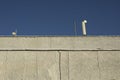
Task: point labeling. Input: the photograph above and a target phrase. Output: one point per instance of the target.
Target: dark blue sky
(55, 17)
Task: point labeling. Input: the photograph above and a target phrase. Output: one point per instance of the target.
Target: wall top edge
(60, 36)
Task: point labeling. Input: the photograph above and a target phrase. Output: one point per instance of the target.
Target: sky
(56, 17)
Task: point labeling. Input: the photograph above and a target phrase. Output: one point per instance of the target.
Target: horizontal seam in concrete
(51, 50)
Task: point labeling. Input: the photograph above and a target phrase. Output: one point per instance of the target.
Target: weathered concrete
(60, 58)
(83, 65)
(28, 65)
(60, 43)
(109, 65)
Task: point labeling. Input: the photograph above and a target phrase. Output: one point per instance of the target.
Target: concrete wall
(60, 58)
(63, 43)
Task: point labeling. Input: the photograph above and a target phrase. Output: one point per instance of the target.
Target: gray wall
(60, 58)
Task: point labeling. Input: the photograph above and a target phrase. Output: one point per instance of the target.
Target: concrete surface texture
(60, 58)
